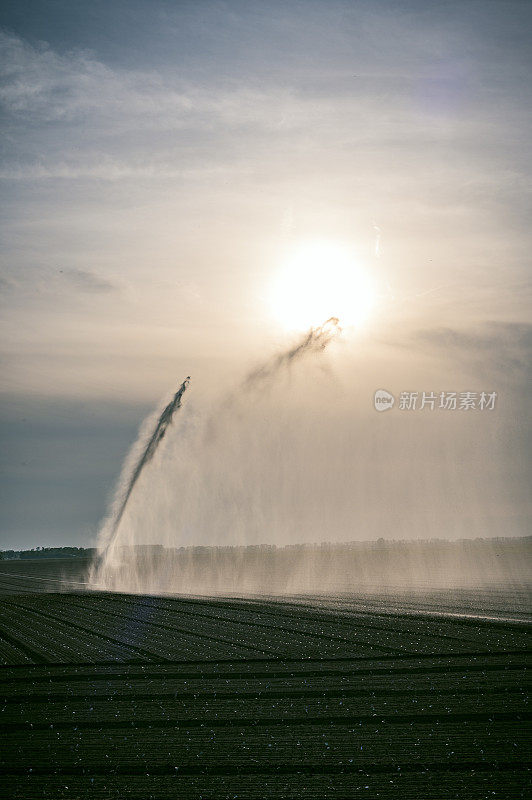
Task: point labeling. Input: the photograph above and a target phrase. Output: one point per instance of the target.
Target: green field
(399, 695)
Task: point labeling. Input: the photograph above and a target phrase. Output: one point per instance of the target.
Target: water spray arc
(153, 443)
(270, 487)
(314, 341)
(211, 484)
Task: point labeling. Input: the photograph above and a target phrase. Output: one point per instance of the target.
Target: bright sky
(163, 161)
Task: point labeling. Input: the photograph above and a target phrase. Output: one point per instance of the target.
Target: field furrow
(378, 696)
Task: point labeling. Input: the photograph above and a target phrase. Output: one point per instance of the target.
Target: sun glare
(320, 280)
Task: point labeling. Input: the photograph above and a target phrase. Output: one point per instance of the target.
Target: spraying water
(153, 443)
(110, 555)
(287, 484)
(141, 453)
(315, 340)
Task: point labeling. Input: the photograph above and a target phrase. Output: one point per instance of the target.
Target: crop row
(53, 640)
(375, 634)
(388, 631)
(147, 629)
(405, 781)
(454, 680)
(11, 654)
(259, 699)
(417, 628)
(234, 706)
(285, 632)
(144, 638)
(503, 600)
(360, 743)
(490, 670)
(163, 634)
(273, 639)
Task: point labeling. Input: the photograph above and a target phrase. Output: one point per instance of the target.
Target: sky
(161, 159)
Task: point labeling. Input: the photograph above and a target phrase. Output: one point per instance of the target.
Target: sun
(319, 280)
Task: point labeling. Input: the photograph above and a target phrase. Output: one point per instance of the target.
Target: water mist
(287, 484)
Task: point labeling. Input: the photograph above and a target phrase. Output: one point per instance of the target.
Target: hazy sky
(160, 158)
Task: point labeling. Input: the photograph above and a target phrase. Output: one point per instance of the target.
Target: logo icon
(383, 400)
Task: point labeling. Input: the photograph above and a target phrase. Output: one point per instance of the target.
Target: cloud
(85, 281)
(72, 116)
(502, 346)
(40, 82)
(47, 86)
(34, 286)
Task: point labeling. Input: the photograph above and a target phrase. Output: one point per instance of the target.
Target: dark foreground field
(414, 696)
